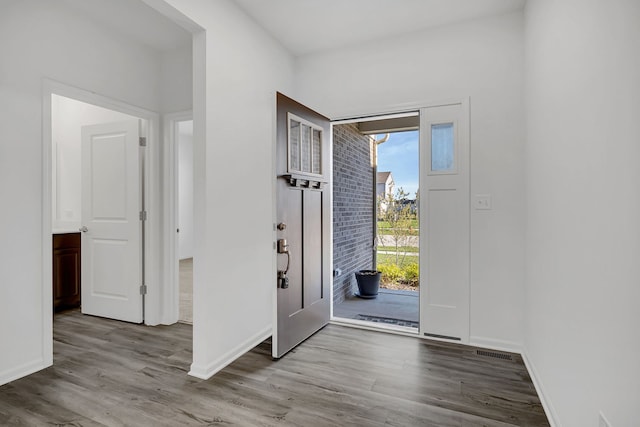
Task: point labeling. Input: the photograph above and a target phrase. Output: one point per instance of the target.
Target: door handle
(83, 229)
(283, 248)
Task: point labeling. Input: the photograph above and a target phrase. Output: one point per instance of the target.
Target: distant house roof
(383, 177)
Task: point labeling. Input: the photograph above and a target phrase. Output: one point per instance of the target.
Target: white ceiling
(136, 20)
(306, 26)
(301, 26)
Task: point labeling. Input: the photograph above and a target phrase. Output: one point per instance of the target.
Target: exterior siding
(354, 187)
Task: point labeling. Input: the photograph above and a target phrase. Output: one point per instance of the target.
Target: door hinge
(143, 215)
(143, 289)
(143, 141)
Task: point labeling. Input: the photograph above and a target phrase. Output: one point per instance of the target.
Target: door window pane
(306, 148)
(294, 145)
(442, 147)
(315, 167)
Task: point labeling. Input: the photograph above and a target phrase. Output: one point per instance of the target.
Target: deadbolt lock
(282, 246)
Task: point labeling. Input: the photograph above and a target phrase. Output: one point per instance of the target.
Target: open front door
(111, 221)
(303, 211)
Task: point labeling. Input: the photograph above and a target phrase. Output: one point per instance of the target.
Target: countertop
(63, 231)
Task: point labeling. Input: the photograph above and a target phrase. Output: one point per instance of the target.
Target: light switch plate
(482, 202)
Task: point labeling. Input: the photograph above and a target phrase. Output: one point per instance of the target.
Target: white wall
(583, 207)
(67, 118)
(176, 79)
(234, 197)
(481, 59)
(45, 39)
(185, 190)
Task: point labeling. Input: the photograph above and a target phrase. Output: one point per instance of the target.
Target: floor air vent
(495, 355)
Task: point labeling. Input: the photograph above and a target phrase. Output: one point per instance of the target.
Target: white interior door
(444, 222)
(111, 221)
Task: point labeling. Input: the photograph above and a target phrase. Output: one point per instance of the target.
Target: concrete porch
(392, 307)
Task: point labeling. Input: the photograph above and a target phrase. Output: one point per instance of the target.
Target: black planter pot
(368, 283)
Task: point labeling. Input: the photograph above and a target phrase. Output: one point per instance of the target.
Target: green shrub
(391, 273)
(412, 273)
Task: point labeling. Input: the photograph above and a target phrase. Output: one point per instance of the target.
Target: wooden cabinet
(66, 271)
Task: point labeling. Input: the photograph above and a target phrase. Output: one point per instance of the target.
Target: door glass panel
(306, 148)
(442, 147)
(315, 167)
(294, 145)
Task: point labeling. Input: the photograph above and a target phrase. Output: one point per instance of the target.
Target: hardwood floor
(186, 291)
(109, 373)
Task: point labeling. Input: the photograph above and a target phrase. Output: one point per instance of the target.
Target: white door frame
(151, 196)
(171, 302)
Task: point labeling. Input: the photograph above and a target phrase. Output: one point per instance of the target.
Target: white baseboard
(494, 344)
(205, 372)
(23, 370)
(537, 383)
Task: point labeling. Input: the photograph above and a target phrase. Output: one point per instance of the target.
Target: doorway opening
(376, 222)
(97, 203)
(185, 229)
(442, 217)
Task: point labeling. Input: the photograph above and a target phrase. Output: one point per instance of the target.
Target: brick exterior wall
(353, 214)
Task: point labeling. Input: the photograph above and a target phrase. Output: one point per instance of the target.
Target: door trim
(152, 201)
(397, 110)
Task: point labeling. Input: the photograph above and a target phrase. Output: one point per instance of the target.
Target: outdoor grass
(391, 259)
(412, 249)
(385, 224)
(389, 232)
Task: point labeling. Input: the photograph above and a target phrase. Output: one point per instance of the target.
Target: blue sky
(400, 156)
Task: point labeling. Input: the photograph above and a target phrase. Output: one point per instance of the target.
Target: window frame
(292, 117)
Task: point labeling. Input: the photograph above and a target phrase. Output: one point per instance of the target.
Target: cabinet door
(66, 271)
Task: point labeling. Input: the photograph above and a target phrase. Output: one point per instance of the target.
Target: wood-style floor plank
(110, 373)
